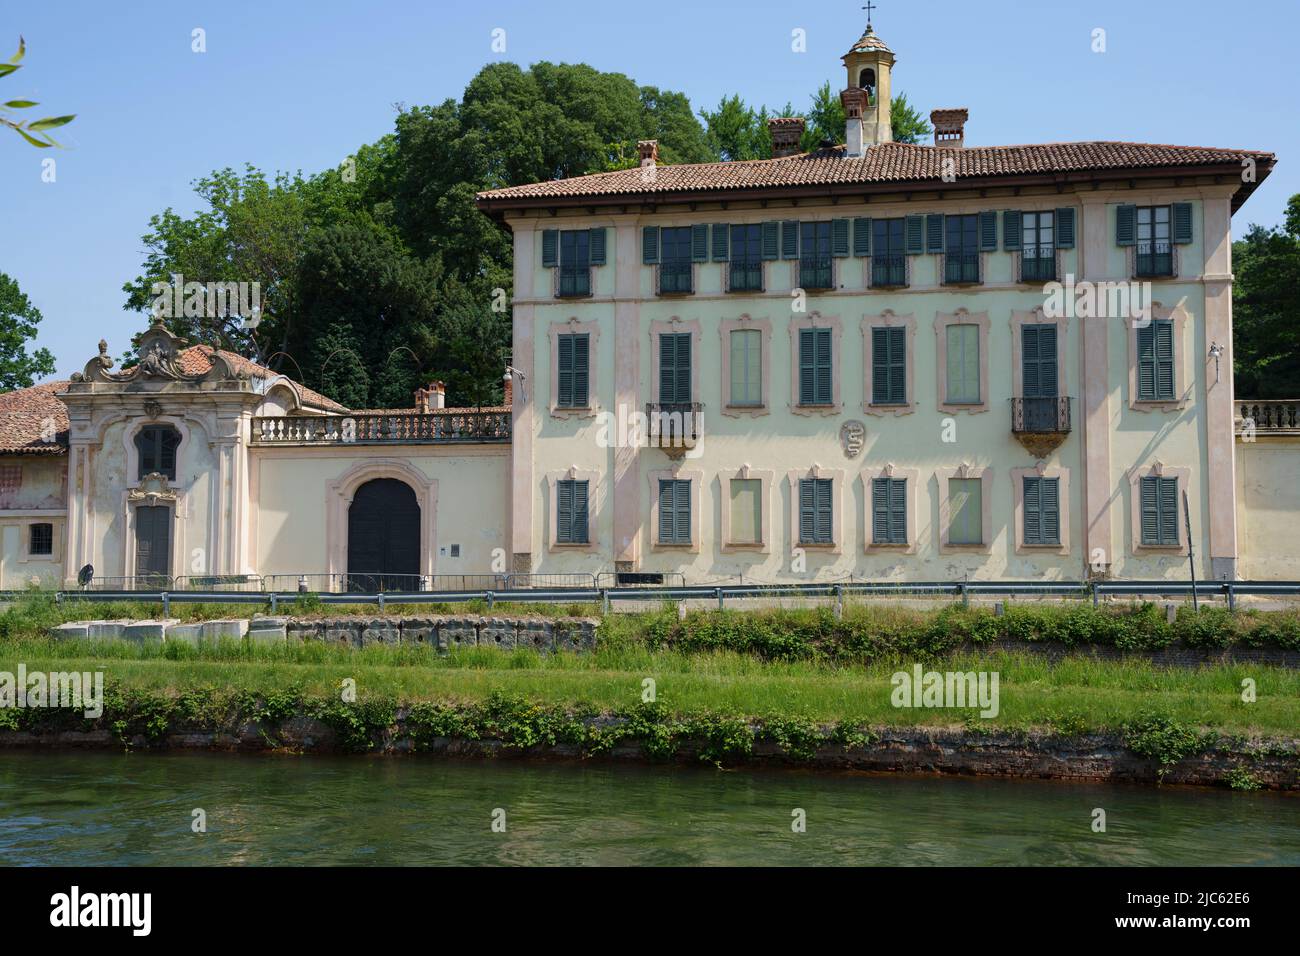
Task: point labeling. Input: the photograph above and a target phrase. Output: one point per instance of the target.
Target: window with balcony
(816, 270)
(676, 271)
(1154, 252)
(575, 263)
(888, 254)
(961, 261)
(1038, 247)
(745, 270)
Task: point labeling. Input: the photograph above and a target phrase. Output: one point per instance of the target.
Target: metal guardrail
(963, 590)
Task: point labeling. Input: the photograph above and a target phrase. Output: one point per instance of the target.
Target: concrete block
(497, 633)
(73, 630)
(380, 631)
(232, 628)
(261, 622)
(191, 634)
(536, 635)
(457, 633)
(147, 632)
(106, 630)
(419, 631)
(268, 635)
(304, 630)
(343, 631)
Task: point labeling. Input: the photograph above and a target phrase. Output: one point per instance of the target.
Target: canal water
(139, 809)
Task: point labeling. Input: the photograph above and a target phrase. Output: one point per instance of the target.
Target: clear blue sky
(299, 85)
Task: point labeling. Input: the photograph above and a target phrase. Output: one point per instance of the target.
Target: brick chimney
(507, 390)
(949, 127)
(648, 150)
(430, 399)
(786, 132)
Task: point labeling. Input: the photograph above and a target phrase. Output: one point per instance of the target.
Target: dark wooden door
(384, 537)
(153, 540)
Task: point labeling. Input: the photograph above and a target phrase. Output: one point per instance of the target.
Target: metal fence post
(718, 591)
(275, 602)
(491, 600)
(166, 604)
(1232, 602)
(381, 602)
(1094, 593)
(604, 600)
(839, 601)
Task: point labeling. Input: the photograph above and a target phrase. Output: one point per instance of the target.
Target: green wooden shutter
(807, 512)
(1011, 229)
(1182, 227)
(597, 247)
(771, 240)
(564, 512)
(897, 366)
(700, 242)
(898, 511)
(581, 491)
(807, 349)
(934, 232)
(674, 368)
(1051, 510)
(550, 248)
(1038, 361)
(564, 366)
(915, 229)
(1065, 228)
(824, 513)
(581, 369)
(721, 234)
(988, 231)
(839, 238)
(823, 360)
(880, 511)
(1126, 225)
(682, 511)
(888, 366)
(1168, 497)
(666, 523)
(1033, 511)
(650, 245)
(790, 239)
(1146, 362)
(1164, 359)
(879, 366)
(1150, 506)
(861, 236)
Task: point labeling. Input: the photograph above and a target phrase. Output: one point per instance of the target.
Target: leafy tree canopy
(18, 322)
(1266, 309)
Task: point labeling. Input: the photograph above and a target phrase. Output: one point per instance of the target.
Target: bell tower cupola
(867, 94)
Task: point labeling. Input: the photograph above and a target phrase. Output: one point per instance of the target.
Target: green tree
(36, 132)
(1266, 306)
(735, 131)
(826, 120)
(18, 322)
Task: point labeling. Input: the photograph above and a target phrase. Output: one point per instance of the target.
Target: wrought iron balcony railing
(889, 271)
(676, 278)
(1040, 416)
(572, 282)
(961, 268)
(1038, 264)
(816, 272)
(399, 428)
(745, 275)
(674, 426)
(1153, 260)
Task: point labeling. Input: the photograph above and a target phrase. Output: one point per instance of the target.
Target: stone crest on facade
(853, 435)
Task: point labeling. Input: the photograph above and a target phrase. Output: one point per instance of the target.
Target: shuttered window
(1159, 510)
(889, 511)
(815, 367)
(962, 364)
(815, 511)
(746, 511)
(574, 370)
(575, 262)
(675, 368)
(965, 511)
(674, 511)
(889, 366)
(746, 367)
(1155, 361)
(571, 512)
(1042, 508)
(1038, 361)
(676, 255)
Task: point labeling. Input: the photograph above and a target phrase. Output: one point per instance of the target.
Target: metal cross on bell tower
(869, 7)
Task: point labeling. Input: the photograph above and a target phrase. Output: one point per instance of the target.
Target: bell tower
(866, 96)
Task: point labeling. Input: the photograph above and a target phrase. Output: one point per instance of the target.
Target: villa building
(877, 359)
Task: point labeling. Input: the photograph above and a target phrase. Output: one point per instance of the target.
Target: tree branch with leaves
(35, 132)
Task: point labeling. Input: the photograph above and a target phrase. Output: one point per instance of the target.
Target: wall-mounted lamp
(511, 374)
(1216, 351)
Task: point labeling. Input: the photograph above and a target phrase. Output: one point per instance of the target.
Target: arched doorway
(384, 537)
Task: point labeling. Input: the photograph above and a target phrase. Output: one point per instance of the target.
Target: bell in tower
(866, 97)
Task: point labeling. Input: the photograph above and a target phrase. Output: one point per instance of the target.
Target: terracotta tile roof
(196, 360)
(887, 163)
(869, 41)
(23, 417)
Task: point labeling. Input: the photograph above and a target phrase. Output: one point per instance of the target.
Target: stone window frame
(764, 478)
(745, 322)
(25, 553)
(1182, 391)
(1041, 470)
(696, 478)
(675, 325)
(573, 473)
(984, 474)
(942, 320)
(836, 475)
(912, 477)
(573, 326)
(1037, 316)
(892, 320)
(815, 320)
(1156, 469)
